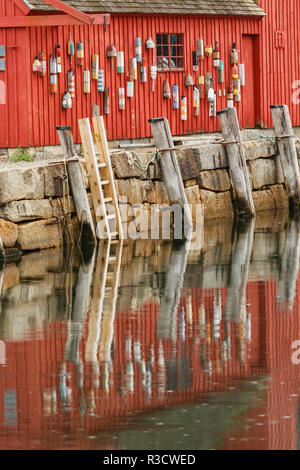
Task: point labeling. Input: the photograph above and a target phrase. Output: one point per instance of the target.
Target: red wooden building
(266, 33)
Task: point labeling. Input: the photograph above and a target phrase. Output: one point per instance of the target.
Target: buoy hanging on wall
(120, 62)
(43, 64)
(53, 83)
(106, 100)
(200, 85)
(58, 58)
(70, 48)
(208, 50)
(36, 66)
(121, 94)
(213, 106)
(195, 61)
(183, 108)
(166, 90)
(235, 72)
(221, 78)
(111, 53)
(138, 49)
(133, 68)
(143, 71)
(52, 64)
(153, 75)
(188, 80)
(234, 55)
(242, 74)
(100, 82)
(200, 49)
(130, 89)
(216, 55)
(66, 102)
(86, 81)
(71, 82)
(208, 78)
(175, 96)
(150, 44)
(95, 66)
(237, 89)
(80, 53)
(211, 93)
(196, 100)
(229, 97)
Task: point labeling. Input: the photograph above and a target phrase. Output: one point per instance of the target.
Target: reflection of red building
(45, 397)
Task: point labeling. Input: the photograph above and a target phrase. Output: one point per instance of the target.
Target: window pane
(158, 39)
(174, 63)
(179, 38)
(179, 51)
(165, 38)
(159, 62)
(159, 50)
(172, 38)
(165, 51)
(180, 63)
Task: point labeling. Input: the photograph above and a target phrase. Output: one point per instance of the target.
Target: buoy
(183, 108)
(242, 74)
(216, 55)
(175, 96)
(106, 100)
(121, 93)
(195, 61)
(71, 82)
(138, 49)
(52, 64)
(166, 90)
(133, 68)
(95, 66)
(100, 82)
(196, 100)
(237, 89)
(213, 106)
(80, 53)
(200, 85)
(221, 78)
(111, 53)
(200, 49)
(143, 71)
(153, 75)
(43, 64)
(229, 97)
(86, 81)
(53, 83)
(58, 58)
(70, 48)
(66, 101)
(235, 72)
(36, 66)
(120, 62)
(234, 55)
(150, 44)
(188, 80)
(208, 50)
(211, 95)
(130, 89)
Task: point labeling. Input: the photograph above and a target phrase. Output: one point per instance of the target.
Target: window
(169, 49)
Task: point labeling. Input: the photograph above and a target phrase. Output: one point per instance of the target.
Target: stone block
(263, 200)
(216, 205)
(39, 235)
(265, 172)
(280, 196)
(21, 183)
(27, 209)
(9, 233)
(217, 180)
(55, 180)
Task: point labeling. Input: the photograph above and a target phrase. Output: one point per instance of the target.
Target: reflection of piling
(240, 260)
(167, 317)
(288, 273)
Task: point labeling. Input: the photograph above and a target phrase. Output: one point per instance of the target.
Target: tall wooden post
(237, 161)
(287, 151)
(169, 166)
(79, 194)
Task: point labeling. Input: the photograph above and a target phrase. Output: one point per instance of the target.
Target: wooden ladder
(103, 304)
(102, 181)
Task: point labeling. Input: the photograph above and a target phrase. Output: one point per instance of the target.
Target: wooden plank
(80, 198)
(95, 180)
(107, 171)
(47, 20)
(237, 161)
(169, 166)
(74, 12)
(287, 152)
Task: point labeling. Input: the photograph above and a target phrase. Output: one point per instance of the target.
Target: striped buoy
(138, 49)
(153, 75)
(52, 64)
(121, 93)
(58, 58)
(229, 97)
(183, 108)
(175, 96)
(53, 83)
(143, 71)
(120, 62)
(43, 64)
(195, 61)
(200, 49)
(221, 78)
(216, 55)
(100, 82)
(86, 81)
(71, 82)
(70, 48)
(80, 53)
(95, 66)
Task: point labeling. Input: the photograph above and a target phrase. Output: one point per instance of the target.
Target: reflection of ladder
(101, 177)
(104, 300)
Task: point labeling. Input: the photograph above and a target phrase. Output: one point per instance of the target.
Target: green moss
(21, 154)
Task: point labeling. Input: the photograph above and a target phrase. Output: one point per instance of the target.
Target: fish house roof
(184, 7)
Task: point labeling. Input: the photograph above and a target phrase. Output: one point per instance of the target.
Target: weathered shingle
(185, 7)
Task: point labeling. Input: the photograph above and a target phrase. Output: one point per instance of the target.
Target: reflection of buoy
(183, 108)
(175, 96)
(166, 90)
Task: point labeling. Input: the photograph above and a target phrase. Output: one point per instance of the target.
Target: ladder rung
(108, 199)
(111, 216)
(113, 234)
(104, 182)
(101, 165)
(112, 259)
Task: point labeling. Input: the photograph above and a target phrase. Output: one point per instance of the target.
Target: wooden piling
(287, 152)
(237, 161)
(169, 166)
(75, 176)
